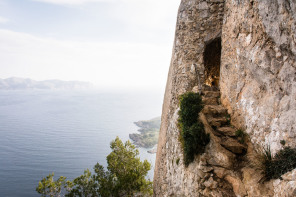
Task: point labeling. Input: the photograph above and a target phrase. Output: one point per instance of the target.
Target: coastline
(148, 134)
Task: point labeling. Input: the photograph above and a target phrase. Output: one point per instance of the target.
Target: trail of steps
(219, 120)
(226, 154)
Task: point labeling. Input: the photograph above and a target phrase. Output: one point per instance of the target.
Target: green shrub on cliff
(190, 106)
(273, 167)
(283, 162)
(192, 134)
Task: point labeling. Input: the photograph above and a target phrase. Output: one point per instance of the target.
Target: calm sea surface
(65, 132)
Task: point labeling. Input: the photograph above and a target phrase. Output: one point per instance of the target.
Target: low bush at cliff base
(273, 167)
(192, 134)
(283, 162)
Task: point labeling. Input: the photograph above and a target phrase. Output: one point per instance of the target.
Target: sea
(65, 132)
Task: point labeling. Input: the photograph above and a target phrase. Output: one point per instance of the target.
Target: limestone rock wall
(258, 71)
(258, 88)
(198, 22)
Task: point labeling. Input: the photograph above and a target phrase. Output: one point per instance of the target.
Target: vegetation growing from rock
(283, 162)
(241, 135)
(192, 134)
(149, 131)
(125, 176)
(273, 167)
(283, 142)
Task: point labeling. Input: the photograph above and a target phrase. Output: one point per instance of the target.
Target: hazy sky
(119, 43)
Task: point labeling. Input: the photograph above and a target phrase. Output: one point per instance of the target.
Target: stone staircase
(226, 152)
(219, 120)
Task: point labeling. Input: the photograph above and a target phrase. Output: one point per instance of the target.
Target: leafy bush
(125, 176)
(283, 162)
(84, 185)
(49, 187)
(192, 134)
(190, 106)
(273, 167)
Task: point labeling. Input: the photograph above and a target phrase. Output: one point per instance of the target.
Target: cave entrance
(212, 61)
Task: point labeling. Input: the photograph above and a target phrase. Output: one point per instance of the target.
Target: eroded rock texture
(257, 80)
(258, 72)
(199, 22)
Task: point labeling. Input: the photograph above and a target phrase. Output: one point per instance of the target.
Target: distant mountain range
(15, 83)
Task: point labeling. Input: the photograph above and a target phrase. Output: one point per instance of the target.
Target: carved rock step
(209, 100)
(214, 110)
(213, 94)
(208, 88)
(228, 131)
(217, 122)
(233, 145)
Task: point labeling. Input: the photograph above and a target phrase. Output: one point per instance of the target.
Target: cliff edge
(247, 50)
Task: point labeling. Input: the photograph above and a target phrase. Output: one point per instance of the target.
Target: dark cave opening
(212, 61)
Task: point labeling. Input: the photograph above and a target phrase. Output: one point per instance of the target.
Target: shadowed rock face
(258, 88)
(212, 62)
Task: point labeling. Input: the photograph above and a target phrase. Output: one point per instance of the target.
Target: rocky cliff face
(249, 49)
(258, 71)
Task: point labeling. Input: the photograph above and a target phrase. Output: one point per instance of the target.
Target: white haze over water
(104, 64)
(111, 43)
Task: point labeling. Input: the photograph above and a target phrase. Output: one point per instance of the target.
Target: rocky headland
(148, 133)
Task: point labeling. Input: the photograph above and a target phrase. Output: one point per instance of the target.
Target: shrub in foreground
(125, 176)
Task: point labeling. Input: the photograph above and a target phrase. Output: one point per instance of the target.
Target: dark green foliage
(126, 172)
(195, 140)
(266, 158)
(49, 187)
(283, 142)
(283, 162)
(84, 185)
(125, 176)
(190, 106)
(228, 118)
(192, 134)
(241, 135)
